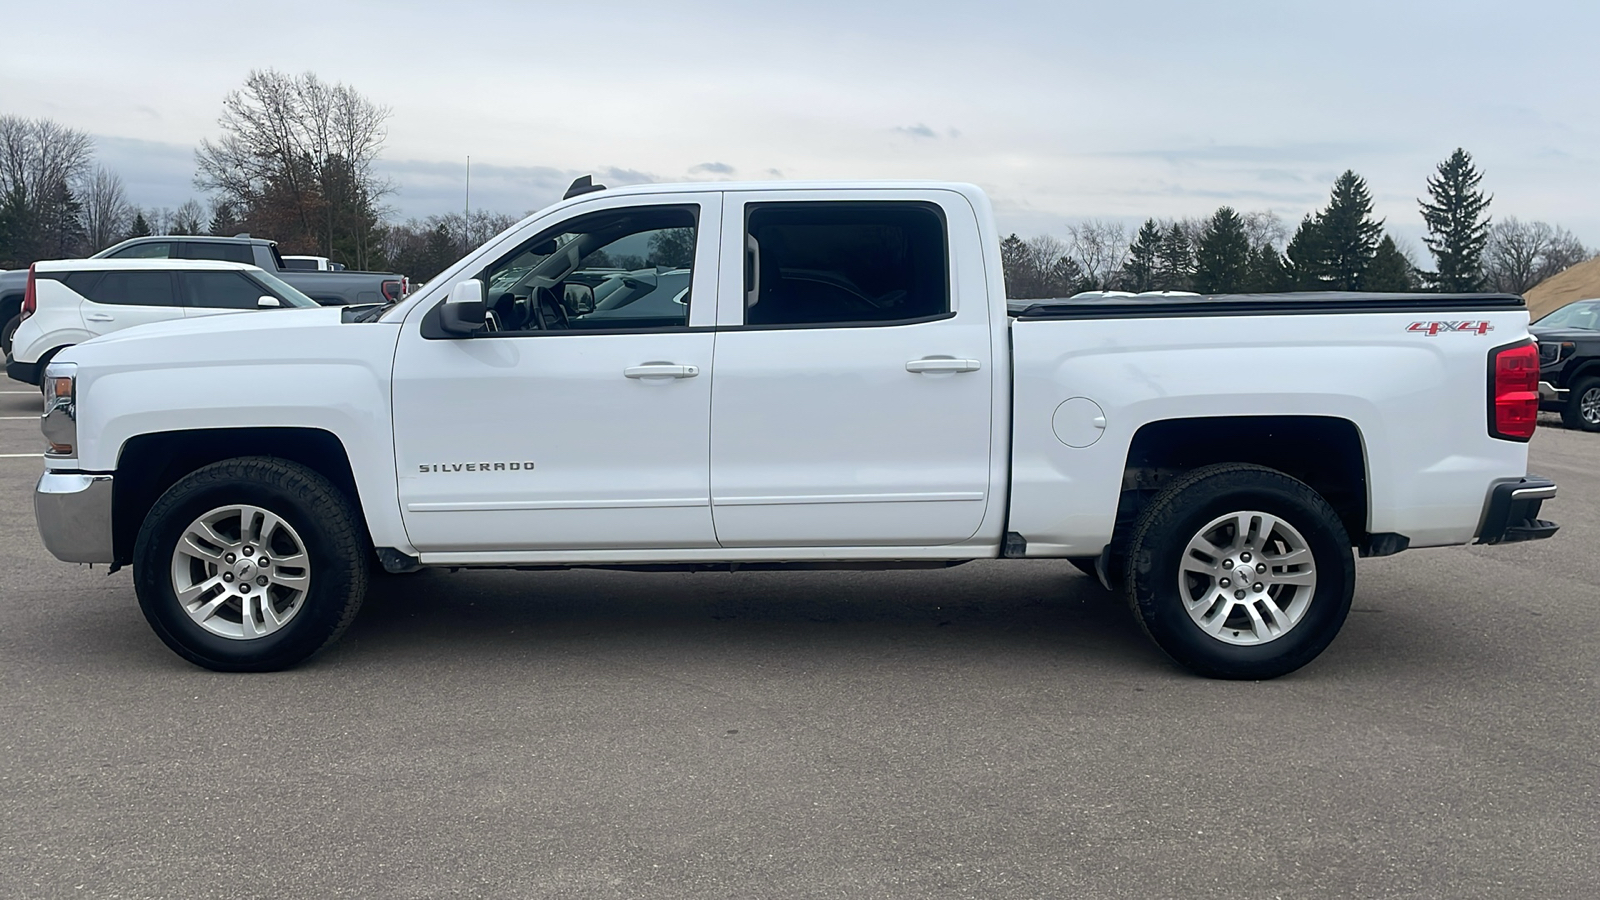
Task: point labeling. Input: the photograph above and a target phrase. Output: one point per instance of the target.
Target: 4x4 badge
(1432, 328)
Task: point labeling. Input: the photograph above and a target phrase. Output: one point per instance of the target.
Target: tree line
(1339, 247)
(295, 162)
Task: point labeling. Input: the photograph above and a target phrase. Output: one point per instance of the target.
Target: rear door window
(845, 263)
(239, 253)
(134, 289)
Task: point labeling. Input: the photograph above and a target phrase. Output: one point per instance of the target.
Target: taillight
(393, 290)
(30, 295)
(1514, 391)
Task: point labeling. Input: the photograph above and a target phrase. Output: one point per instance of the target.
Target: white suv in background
(71, 301)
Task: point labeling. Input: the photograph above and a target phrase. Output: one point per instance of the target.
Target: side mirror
(579, 298)
(266, 302)
(465, 311)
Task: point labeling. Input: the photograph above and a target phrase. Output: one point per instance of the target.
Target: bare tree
(106, 211)
(38, 156)
(296, 159)
(190, 218)
(1264, 228)
(40, 163)
(1522, 254)
(1099, 248)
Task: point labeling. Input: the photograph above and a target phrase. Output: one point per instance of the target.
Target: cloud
(714, 168)
(918, 130)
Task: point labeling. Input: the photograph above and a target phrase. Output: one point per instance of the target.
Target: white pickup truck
(788, 375)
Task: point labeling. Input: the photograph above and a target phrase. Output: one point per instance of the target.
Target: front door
(581, 421)
(851, 405)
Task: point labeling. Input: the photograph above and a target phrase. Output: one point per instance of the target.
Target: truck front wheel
(1583, 405)
(1239, 571)
(250, 565)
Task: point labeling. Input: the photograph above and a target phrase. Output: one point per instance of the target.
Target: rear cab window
(239, 253)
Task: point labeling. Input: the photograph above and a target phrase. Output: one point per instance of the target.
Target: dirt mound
(1580, 282)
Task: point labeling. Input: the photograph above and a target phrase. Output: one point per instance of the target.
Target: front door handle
(661, 370)
(98, 317)
(942, 364)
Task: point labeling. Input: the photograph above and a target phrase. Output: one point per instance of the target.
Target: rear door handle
(942, 364)
(99, 317)
(661, 370)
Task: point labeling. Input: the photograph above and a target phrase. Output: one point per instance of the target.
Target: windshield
(283, 289)
(1584, 314)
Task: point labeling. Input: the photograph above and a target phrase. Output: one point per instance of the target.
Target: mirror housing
(266, 302)
(464, 311)
(578, 297)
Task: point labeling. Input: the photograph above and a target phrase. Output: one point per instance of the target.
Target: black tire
(1573, 415)
(44, 363)
(322, 517)
(8, 332)
(1162, 536)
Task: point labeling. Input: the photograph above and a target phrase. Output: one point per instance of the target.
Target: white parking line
(19, 392)
(20, 455)
(19, 417)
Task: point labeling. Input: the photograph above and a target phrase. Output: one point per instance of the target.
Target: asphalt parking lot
(994, 730)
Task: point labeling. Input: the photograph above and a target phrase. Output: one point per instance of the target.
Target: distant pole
(466, 218)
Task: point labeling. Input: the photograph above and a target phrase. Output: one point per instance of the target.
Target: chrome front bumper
(74, 515)
(1548, 391)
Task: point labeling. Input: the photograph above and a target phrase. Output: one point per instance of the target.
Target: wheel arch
(149, 464)
(1327, 453)
(1585, 369)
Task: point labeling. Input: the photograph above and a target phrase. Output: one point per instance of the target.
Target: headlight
(60, 422)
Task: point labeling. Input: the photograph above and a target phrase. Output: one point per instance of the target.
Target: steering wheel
(543, 299)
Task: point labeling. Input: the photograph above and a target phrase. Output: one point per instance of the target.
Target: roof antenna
(580, 186)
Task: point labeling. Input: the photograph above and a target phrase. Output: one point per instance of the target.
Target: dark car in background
(1569, 363)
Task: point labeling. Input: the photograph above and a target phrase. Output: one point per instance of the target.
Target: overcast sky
(1061, 110)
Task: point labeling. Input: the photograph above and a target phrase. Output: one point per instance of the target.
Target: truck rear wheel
(250, 565)
(1239, 571)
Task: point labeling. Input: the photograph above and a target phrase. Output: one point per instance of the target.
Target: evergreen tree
(1458, 230)
(1304, 266)
(141, 227)
(1390, 270)
(1174, 263)
(1014, 263)
(1139, 273)
(1222, 255)
(1266, 273)
(1349, 234)
(16, 230)
(224, 219)
(60, 225)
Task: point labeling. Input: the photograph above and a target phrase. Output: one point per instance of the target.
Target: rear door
(851, 403)
(123, 299)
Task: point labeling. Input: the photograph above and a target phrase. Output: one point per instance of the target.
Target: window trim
(753, 206)
(432, 331)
